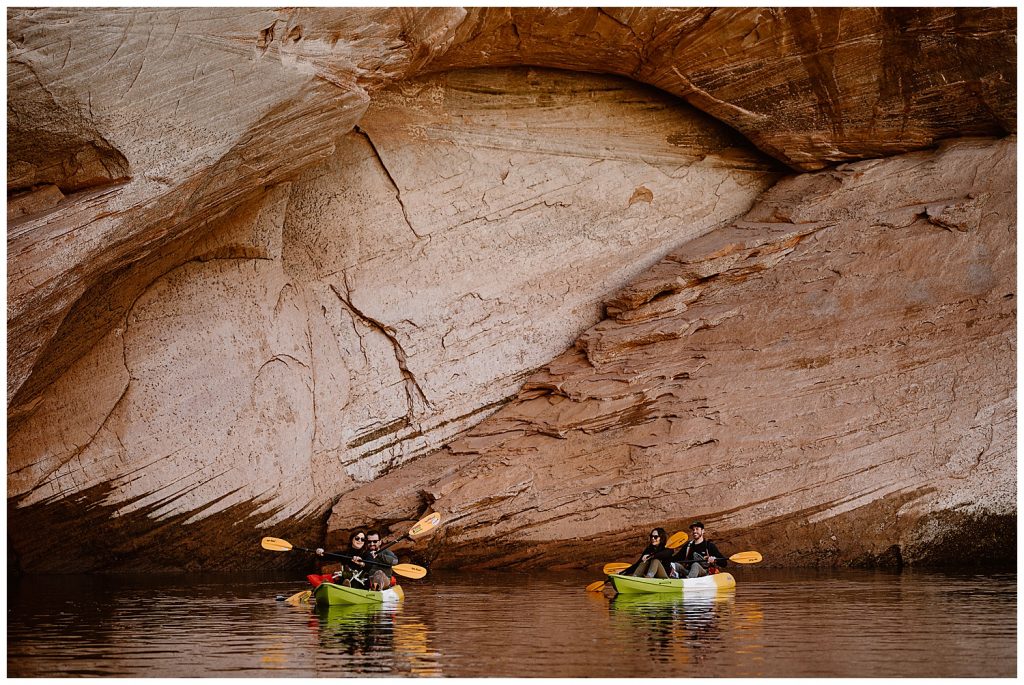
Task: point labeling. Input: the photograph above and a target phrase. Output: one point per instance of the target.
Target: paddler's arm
(664, 555)
(348, 560)
(717, 557)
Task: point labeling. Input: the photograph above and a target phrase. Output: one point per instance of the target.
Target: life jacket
(315, 579)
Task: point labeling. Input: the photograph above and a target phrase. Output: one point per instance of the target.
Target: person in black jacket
(354, 571)
(654, 559)
(693, 559)
(380, 576)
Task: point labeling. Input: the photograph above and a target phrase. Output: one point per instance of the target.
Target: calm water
(806, 623)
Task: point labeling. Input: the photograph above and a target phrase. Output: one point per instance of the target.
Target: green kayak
(329, 594)
(677, 586)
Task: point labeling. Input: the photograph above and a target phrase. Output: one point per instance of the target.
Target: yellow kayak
(631, 585)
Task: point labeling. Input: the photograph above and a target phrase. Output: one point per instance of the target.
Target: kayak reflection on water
(676, 629)
(355, 629)
(377, 638)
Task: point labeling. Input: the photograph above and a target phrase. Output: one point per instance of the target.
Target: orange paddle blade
(424, 525)
(677, 540)
(614, 567)
(746, 557)
(276, 544)
(596, 586)
(409, 570)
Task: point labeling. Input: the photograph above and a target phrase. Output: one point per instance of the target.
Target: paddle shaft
(422, 527)
(738, 558)
(343, 556)
(395, 542)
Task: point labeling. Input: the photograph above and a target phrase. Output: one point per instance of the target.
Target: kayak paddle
(407, 570)
(739, 558)
(677, 540)
(419, 529)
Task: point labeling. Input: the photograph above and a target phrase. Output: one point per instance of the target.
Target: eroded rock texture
(259, 257)
(375, 307)
(827, 378)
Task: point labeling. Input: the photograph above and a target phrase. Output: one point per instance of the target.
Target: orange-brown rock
(829, 379)
(227, 305)
(342, 324)
(180, 114)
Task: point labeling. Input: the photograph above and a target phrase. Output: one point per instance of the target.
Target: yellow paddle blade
(613, 568)
(677, 540)
(409, 570)
(746, 557)
(424, 525)
(298, 597)
(596, 586)
(276, 544)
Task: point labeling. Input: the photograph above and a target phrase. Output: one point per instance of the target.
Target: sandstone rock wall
(255, 258)
(166, 118)
(829, 380)
(372, 309)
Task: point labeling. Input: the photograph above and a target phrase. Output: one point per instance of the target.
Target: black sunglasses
(358, 538)
(655, 537)
(374, 542)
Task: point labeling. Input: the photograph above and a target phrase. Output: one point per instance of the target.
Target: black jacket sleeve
(664, 555)
(720, 559)
(386, 556)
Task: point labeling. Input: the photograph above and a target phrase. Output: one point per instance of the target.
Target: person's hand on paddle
(319, 551)
(357, 561)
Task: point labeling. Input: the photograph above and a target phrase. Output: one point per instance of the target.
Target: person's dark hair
(374, 532)
(354, 535)
(662, 537)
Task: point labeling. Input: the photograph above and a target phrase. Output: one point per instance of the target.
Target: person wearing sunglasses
(381, 577)
(353, 571)
(653, 559)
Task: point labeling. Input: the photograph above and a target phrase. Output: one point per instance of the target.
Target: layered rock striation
(258, 258)
(829, 379)
(341, 324)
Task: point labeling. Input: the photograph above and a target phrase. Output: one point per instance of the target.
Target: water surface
(776, 623)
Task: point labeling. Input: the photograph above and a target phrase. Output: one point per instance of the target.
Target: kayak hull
(329, 594)
(633, 585)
